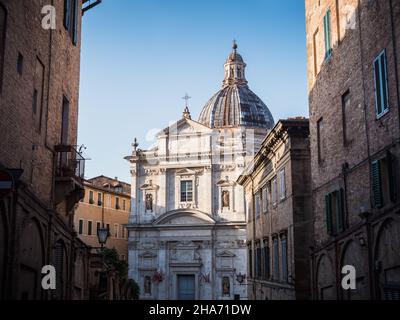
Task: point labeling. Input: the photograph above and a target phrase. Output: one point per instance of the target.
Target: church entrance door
(186, 287)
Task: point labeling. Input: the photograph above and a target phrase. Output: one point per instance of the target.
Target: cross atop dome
(186, 111)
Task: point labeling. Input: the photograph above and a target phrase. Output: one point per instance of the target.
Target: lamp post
(102, 236)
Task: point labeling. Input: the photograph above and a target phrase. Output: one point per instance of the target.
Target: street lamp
(102, 236)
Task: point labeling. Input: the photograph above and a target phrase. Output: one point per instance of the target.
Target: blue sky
(140, 57)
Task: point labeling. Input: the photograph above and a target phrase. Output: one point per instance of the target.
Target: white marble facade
(187, 228)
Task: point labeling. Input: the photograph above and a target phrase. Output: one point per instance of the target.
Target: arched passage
(387, 260)
(325, 279)
(354, 255)
(3, 247)
(31, 261)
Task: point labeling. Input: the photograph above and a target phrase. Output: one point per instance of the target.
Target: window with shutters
(80, 226)
(274, 191)
(265, 201)
(328, 35)
(284, 259)
(38, 94)
(90, 228)
(250, 260)
(384, 184)
(99, 199)
(257, 199)
(282, 184)
(91, 197)
(3, 24)
(335, 212)
(276, 259)
(320, 140)
(346, 116)
(266, 264)
(381, 84)
(258, 260)
(71, 18)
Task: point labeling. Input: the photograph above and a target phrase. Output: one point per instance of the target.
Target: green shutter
(392, 176)
(328, 212)
(67, 13)
(341, 210)
(377, 184)
(327, 31)
(76, 20)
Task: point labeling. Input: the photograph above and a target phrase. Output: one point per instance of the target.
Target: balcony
(69, 175)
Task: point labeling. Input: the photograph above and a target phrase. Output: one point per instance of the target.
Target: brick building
(353, 79)
(39, 86)
(106, 204)
(279, 217)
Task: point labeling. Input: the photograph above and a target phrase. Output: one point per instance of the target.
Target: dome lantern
(235, 105)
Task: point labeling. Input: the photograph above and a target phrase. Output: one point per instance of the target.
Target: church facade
(187, 227)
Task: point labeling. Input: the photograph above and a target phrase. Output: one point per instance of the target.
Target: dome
(235, 105)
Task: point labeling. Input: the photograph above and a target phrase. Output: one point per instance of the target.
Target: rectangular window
(80, 227)
(250, 259)
(320, 145)
(99, 199)
(108, 228)
(109, 201)
(257, 204)
(274, 191)
(122, 232)
(89, 228)
(315, 45)
(3, 23)
(20, 64)
(65, 121)
(328, 35)
(259, 261)
(91, 198)
(38, 94)
(116, 230)
(381, 84)
(282, 184)
(284, 260)
(266, 261)
(276, 259)
(186, 191)
(265, 199)
(117, 203)
(124, 204)
(335, 212)
(71, 18)
(98, 226)
(345, 118)
(384, 185)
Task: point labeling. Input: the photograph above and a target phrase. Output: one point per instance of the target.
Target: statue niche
(149, 202)
(225, 199)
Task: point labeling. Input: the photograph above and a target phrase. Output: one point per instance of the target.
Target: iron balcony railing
(70, 162)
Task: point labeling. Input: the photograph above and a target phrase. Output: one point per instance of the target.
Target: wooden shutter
(392, 176)
(377, 184)
(76, 20)
(328, 213)
(341, 210)
(67, 13)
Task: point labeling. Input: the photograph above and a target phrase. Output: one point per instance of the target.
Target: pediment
(226, 254)
(185, 217)
(187, 172)
(226, 183)
(185, 126)
(147, 254)
(149, 186)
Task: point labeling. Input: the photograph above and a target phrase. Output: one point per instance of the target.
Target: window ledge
(381, 115)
